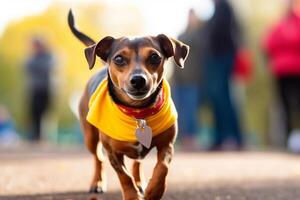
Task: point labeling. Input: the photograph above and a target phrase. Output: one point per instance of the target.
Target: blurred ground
(50, 174)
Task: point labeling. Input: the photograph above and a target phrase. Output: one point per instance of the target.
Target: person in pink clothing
(282, 46)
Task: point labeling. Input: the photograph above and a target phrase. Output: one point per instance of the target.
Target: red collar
(143, 113)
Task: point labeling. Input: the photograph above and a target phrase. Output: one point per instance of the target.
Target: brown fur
(137, 53)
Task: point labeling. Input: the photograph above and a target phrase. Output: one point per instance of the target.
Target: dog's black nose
(138, 82)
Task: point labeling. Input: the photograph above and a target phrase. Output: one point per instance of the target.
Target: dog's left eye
(154, 59)
(119, 60)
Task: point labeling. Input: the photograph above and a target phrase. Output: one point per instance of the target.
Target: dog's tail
(81, 36)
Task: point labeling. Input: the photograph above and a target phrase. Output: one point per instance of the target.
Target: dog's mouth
(137, 94)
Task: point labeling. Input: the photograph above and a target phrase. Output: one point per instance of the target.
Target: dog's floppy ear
(100, 49)
(175, 48)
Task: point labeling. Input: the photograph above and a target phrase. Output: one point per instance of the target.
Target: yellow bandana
(105, 115)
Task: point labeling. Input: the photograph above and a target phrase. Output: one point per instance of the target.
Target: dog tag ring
(143, 133)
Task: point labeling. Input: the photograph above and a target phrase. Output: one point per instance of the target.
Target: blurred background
(236, 103)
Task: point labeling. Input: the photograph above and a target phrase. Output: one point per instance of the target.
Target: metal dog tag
(143, 133)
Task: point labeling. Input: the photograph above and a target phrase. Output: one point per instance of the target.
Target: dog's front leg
(129, 189)
(157, 184)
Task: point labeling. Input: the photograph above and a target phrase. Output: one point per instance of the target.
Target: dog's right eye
(119, 60)
(154, 59)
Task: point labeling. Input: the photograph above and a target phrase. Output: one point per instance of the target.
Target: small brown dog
(127, 108)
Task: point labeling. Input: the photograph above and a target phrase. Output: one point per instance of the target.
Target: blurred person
(38, 69)
(186, 85)
(222, 41)
(282, 48)
(8, 134)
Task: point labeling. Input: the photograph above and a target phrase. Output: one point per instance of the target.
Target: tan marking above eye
(126, 52)
(145, 52)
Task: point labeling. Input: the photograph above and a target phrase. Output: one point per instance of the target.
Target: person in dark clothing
(221, 44)
(38, 69)
(186, 92)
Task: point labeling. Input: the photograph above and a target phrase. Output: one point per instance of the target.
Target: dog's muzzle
(138, 89)
(138, 82)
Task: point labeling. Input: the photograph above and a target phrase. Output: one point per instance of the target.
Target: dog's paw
(96, 189)
(135, 198)
(141, 190)
(140, 187)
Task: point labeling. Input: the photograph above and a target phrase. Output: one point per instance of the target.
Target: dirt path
(51, 175)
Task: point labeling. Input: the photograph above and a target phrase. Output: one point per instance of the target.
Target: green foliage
(71, 70)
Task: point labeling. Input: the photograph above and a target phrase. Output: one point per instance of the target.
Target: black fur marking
(81, 36)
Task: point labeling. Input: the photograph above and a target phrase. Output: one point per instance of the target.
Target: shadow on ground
(265, 190)
(66, 196)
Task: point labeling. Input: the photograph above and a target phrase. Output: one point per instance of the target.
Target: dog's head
(135, 65)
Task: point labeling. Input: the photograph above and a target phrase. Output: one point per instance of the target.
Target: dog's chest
(135, 150)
